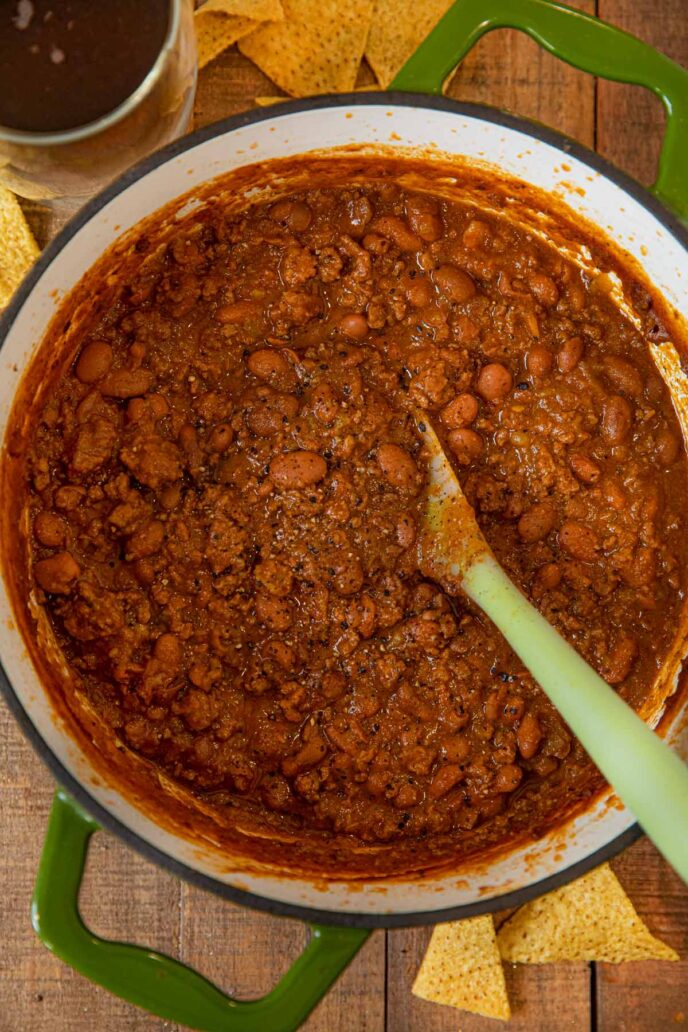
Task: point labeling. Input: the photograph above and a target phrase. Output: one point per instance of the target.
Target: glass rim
(83, 132)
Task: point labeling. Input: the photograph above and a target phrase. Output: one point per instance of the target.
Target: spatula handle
(645, 773)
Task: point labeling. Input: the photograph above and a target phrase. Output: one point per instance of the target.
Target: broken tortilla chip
(397, 29)
(462, 968)
(590, 919)
(316, 49)
(18, 249)
(220, 23)
(258, 10)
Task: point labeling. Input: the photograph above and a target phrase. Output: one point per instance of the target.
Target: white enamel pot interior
(624, 211)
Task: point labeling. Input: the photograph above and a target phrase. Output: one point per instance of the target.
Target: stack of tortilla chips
(591, 919)
(317, 46)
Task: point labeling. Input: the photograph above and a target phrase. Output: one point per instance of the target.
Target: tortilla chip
(397, 29)
(461, 968)
(220, 23)
(18, 249)
(316, 49)
(216, 32)
(590, 919)
(257, 10)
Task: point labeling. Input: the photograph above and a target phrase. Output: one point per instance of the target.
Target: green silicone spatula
(646, 775)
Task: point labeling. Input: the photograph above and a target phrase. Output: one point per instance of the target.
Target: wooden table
(128, 898)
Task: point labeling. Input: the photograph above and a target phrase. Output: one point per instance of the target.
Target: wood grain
(630, 120)
(535, 994)
(126, 897)
(508, 70)
(648, 995)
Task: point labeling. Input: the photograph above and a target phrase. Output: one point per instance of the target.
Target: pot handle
(582, 41)
(160, 984)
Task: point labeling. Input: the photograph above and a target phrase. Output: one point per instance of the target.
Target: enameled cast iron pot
(647, 224)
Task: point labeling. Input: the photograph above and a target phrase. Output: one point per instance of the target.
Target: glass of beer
(87, 88)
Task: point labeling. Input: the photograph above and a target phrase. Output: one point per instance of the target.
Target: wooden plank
(246, 953)
(630, 120)
(508, 70)
(642, 996)
(648, 995)
(123, 897)
(535, 994)
(228, 85)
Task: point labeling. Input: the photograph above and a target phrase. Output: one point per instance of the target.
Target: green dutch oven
(646, 223)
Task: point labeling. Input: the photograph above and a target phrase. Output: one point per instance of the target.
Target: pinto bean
(494, 381)
(348, 575)
(617, 419)
(267, 410)
(546, 578)
(454, 283)
(127, 383)
(444, 780)
(168, 651)
(158, 405)
(460, 411)
(354, 325)
(419, 292)
(585, 468)
(310, 754)
(537, 522)
(476, 234)
(623, 376)
(621, 658)
(466, 445)
(324, 403)
(57, 574)
(153, 406)
(188, 438)
(50, 529)
(667, 447)
(529, 736)
(269, 365)
(237, 312)
(508, 778)
(295, 215)
(579, 540)
(146, 541)
(539, 360)
(94, 362)
(543, 288)
(398, 468)
(220, 438)
(570, 354)
(275, 612)
(396, 230)
(297, 469)
(406, 531)
(423, 215)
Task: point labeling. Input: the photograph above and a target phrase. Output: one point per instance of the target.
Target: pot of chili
(213, 628)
